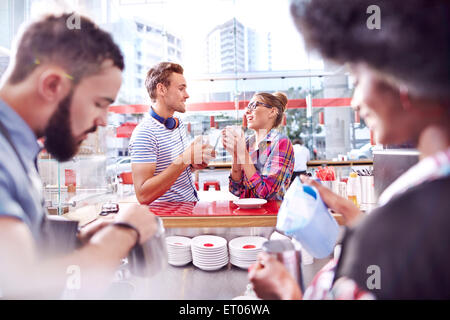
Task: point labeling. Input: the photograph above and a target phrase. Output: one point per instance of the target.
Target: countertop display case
(77, 182)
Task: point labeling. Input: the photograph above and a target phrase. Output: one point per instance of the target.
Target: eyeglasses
(255, 104)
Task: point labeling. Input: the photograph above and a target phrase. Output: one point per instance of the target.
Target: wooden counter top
(312, 163)
(220, 222)
(217, 214)
(318, 163)
(213, 214)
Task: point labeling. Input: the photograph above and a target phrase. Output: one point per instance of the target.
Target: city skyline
(129, 25)
(193, 20)
(233, 47)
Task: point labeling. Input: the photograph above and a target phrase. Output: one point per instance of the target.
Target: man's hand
(90, 229)
(199, 166)
(234, 142)
(272, 281)
(140, 217)
(347, 208)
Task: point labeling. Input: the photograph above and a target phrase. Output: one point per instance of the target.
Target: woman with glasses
(263, 164)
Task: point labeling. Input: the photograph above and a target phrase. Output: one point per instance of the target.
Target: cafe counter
(216, 215)
(215, 210)
(311, 163)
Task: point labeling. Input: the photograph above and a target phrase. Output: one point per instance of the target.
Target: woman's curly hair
(412, 46)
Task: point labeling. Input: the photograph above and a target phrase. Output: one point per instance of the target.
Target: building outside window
(239, 48)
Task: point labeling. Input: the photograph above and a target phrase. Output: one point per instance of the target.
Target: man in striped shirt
(161, 159)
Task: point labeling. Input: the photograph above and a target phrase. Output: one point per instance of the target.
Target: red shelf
(229, 105)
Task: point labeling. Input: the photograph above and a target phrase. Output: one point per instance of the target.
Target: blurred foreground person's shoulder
(401, 92)
(400, 250)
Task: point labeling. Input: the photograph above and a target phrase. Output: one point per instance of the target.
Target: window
(229, 54)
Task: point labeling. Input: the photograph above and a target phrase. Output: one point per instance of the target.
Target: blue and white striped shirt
(152, 142)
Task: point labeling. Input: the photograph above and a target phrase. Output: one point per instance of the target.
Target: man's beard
(59, 141)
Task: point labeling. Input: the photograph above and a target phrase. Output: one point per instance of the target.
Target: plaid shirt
(322, 288)
(274, 163)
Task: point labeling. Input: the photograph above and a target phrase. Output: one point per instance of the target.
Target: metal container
(342, 189)
(59, 236)
(368, 200)
(285, 252)
(150, 258)
(389, 164)
(335, 186)
(328, 184)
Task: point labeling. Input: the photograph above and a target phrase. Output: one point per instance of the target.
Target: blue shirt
(20, 192)
(152, 142)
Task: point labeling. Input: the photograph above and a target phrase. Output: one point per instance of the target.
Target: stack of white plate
(209, 252)
(179, 250)
(244, 250)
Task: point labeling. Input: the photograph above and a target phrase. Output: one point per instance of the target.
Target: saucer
(250, 203)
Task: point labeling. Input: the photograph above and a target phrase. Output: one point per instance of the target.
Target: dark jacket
(409, 240)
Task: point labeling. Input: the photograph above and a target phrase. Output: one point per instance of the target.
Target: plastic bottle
(304, 216)
(353, 187)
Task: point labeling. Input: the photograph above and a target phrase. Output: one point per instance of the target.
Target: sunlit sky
(193, 19)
